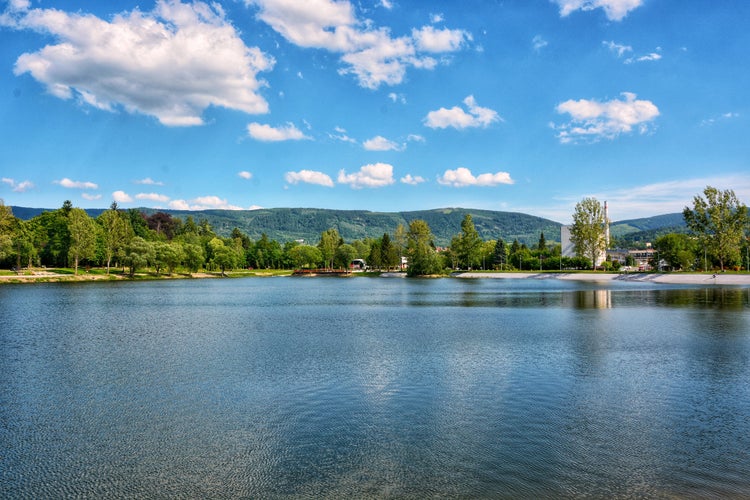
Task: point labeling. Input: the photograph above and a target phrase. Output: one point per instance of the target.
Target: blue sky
(383, 105)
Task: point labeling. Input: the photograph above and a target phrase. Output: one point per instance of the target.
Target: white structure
(568, 249)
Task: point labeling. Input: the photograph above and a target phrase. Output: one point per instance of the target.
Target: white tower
(606, 226)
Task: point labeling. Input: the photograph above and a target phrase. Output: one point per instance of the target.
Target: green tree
(345, 254)
(330, 240)
(719, 221)
(116, 232)
(677, 250)
(7, 223)
(423, 259)
(400, 241)
(138, 253)
(542, 245)
(467, 246)
(588, 230)
(224, 257)
(83, 234)
(194, 256)
(305, 256)
(500, 254)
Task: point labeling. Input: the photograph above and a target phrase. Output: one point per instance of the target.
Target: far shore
(667, 278)
(719, 278)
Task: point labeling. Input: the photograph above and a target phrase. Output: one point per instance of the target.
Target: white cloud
(653, 56)
(67, 183)
(121, 197)
(309, 177)
(592, 120)
(171, 63)
(369, 53)
(615, 10)
(18, 187)
(456, 117)
(437, 18)
(723, 116)
(268, 133)
(538, 43)
(399, 98)
(245, 175)
(370, 176)
(91, 197)
(380, 143)
(148, 181)
(415, 138)
(617, 48)
(341, 135)
(203, 203)
(152, 197)
(462, 177)
(430, 39)
(412, 180)
(386, 4)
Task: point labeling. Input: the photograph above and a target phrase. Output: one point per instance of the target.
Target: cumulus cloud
(148, 181)
(621, 50)
(90, 197)
(267, 133)
(245, 175)
(121, 197)
(369, 53)
(152, 197)
(592, 120)
(369, 176)
(615, 10)
(380, 143)
(308, 177)
(171, 63)
(203, 203)
(617, 48)
(462, 177)
(458, 118)
(341, 135)
(412, 179)
(67, 183)
(18, 187)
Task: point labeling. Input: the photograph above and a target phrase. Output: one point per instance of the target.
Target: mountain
(638, 232)
(287, 224)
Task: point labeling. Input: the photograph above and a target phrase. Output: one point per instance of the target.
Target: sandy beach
(666, 278)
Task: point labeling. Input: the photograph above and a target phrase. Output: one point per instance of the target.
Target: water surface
(364, 387)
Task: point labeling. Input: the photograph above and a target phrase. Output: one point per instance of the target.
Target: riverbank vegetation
(130, 244)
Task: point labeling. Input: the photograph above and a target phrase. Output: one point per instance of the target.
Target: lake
(374, 387)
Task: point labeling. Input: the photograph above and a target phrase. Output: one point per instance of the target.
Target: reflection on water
(366, 387)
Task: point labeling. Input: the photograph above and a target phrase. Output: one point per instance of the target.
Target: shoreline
(666, 278)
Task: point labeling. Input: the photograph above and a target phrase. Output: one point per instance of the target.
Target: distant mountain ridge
(288, 224)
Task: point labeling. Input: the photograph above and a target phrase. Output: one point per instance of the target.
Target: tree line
(129, 241)
(718, 236)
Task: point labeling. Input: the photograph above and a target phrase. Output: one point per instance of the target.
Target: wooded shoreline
(51, 276)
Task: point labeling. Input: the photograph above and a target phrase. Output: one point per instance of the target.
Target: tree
(588, 230)
(305, 255)
(542, 245)
(194, 256)
(423, 259)
(138, 253)
(83, 234)
(678, 250)
(467, 245)
(719, 221)
(223, 256)
(400, 240)
(500, 254)
(6, 230)
(329, 243)
(345, 254)
(116, 232)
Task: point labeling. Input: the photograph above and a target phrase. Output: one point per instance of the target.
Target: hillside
(287, 224)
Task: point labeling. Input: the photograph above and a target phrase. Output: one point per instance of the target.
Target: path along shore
(667, 278)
